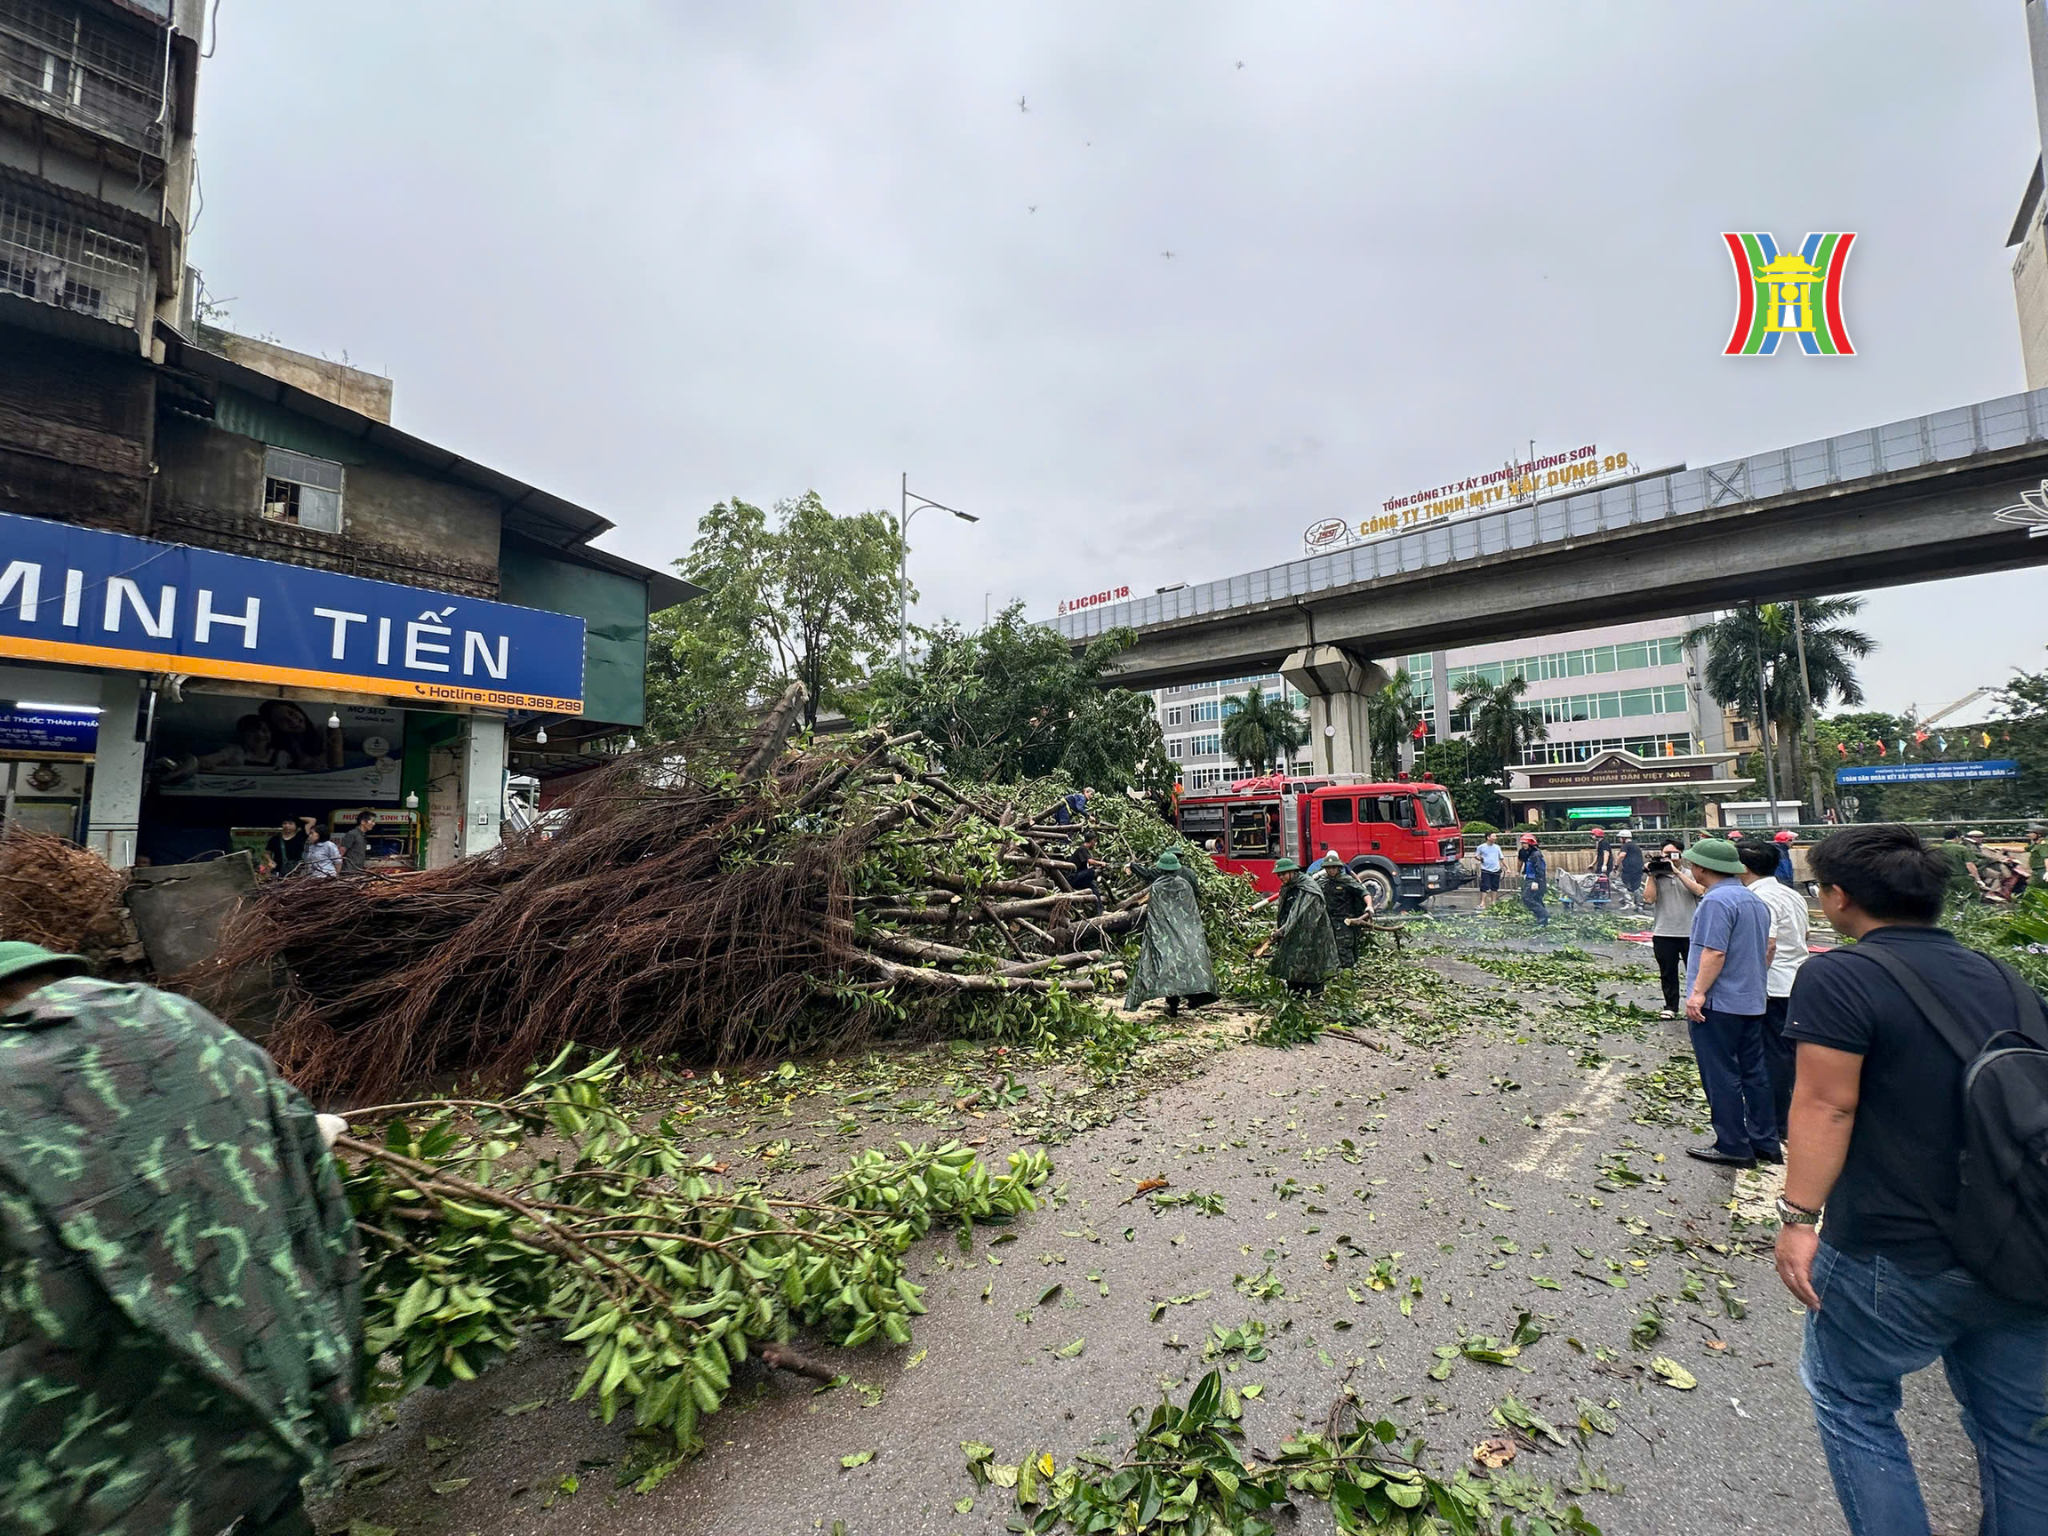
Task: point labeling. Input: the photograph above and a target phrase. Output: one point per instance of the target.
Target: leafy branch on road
(1187, 1473)
(483, 1220)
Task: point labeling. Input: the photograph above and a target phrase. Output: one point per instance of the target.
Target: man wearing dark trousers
(1535, 878)
(1877, 1127)
(1788, 954)
(1726, 966)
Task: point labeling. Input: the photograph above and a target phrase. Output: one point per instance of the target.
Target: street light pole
(904, 513)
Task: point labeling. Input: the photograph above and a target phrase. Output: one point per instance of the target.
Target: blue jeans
(1876, 1323)
(1730, 1050)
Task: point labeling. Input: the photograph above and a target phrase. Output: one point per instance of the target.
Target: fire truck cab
(1401, 838)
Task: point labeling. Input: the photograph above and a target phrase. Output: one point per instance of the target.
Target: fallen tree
(690, 910)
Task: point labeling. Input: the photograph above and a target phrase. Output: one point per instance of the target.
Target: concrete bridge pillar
(1337, 684)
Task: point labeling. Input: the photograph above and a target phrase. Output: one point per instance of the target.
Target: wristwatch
(1790, 1215)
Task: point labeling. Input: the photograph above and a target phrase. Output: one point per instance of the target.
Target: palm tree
(1756, 651)
(1503, 728)
(1261, 733)
(1391, 717)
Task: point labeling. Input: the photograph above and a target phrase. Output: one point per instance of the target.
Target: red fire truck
(1402, 838)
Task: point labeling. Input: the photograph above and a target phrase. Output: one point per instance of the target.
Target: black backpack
(2000, 1226)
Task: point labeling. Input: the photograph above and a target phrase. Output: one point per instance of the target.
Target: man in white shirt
(1489, 871)
(1787, 953)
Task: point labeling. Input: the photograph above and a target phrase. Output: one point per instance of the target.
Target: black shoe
(1716, 1155)
(1775, 1156)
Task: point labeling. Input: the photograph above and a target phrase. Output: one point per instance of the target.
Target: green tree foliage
(809, 597)
(1503, 727)
(1747, 644)
(1391, 716)
(1456, 765)
(1260, 733)
(2024, 737)
(1013, 701)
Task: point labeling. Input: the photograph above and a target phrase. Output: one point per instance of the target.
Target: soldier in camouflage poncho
(1346, 897)
(1304, 954)
(180, 1311)
(1174, 964)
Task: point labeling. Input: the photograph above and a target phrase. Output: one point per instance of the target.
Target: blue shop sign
(49, 733)
(1930, 773)
(88, 598)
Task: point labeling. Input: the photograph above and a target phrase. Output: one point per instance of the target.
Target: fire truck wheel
(1377, 881)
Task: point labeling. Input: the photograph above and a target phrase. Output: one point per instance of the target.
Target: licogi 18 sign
(1095, 599)
(94, 599)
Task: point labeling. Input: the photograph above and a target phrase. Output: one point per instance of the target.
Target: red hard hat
(1782, 837)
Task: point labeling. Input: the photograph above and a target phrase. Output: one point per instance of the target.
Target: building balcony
(68, 62)
(55, 253)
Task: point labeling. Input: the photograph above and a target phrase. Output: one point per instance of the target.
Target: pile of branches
(689, 908)
(59, 895)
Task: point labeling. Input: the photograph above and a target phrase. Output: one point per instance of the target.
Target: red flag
(1421, 730)
(1842, 747)
(1880, 749)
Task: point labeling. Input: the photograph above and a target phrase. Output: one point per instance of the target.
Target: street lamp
(904, 514)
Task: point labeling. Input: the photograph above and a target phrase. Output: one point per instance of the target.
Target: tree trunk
(1788, 764)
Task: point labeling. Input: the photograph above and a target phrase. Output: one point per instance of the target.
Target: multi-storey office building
(1629, 688)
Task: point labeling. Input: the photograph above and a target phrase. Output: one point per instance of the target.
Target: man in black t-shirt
(1876, 1127)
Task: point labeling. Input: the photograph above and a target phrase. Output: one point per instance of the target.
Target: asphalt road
(1479, 1160)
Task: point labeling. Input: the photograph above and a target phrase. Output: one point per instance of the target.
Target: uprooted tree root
(680, 911)
(57, 894)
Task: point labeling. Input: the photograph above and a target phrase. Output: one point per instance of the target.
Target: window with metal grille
(49, 253)
(86, 69)
(298, 488)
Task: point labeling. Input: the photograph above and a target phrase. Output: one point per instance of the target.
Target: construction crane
(1963, 703)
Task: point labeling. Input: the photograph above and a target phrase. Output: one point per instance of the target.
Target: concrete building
(2029, 233)
(1626, 688)
(230, 589)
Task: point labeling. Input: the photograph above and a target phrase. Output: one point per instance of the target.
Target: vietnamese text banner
(52, 733)
(89, 598)
(1927, 773)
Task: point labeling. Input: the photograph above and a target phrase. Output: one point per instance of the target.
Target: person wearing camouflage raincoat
(1174, 963)
(180, 1299)
(1346, 897)
(1304, 953)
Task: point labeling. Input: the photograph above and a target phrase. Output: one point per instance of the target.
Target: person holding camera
(1673, 894)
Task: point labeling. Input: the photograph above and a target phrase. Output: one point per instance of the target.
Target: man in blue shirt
(1784, 871)
(1725, 982)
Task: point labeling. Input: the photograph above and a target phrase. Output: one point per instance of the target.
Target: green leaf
(964, 1506)
(857, 1459)
(1073, 1350)
(450, 1485)
(1050, 1293)
(1674, 1374)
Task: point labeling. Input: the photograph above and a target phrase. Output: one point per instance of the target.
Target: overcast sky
(650, 255)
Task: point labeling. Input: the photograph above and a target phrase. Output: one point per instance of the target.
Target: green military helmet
(16, 957)
(1715, 853)
(1284, 866)
(1167, 861)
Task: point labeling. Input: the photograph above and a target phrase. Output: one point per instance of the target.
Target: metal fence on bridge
(2010, 422)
